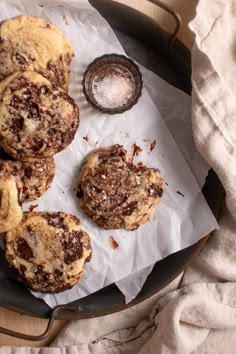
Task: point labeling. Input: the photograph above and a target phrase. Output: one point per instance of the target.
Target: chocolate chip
(57, 274)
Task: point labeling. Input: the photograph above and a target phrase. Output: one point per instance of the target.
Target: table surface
(31, 325)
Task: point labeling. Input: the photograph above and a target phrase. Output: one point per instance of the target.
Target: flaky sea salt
(113, 90)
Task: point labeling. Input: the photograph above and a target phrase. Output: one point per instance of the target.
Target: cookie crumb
(113, 243)
(65, 20)
(32, 207)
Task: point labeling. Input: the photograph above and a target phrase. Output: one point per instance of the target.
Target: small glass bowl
(112, 83)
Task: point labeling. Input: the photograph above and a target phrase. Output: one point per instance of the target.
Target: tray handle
(54, 315)
(174, 14)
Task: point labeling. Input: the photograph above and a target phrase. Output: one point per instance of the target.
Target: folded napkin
(200, 316)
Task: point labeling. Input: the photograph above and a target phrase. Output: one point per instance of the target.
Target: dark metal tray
(162, 53)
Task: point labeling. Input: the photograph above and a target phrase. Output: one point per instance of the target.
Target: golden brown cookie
(37, 119)
(10, 211)
(32, 43)
(48, 250)
(116, 193)
(36, 176)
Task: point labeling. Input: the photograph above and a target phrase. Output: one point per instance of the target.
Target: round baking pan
(160, 51)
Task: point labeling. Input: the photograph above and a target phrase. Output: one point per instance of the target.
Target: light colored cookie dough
(32, 43)
(37, 119)
(10, 211)
(48, 250)
(116, 193)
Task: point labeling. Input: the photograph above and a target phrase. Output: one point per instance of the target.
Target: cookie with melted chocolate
(37, 118)
(48, 250)
(36, 176)
(114, 192)
(32, 43)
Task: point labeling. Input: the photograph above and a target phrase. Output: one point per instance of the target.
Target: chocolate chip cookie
(48, 250)
(37, 118)
(36, 176)
(32, 43)
(10, 211)
(114, 192)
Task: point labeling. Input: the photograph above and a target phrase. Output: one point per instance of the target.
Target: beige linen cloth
(200, 316)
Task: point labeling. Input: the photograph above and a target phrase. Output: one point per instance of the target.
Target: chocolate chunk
(38, 145)
(72, 247)
(23, 249)
(28, 172)
(16, 124)
(154, 191)
(56, 220)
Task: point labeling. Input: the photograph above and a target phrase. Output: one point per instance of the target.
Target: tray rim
(200, 244)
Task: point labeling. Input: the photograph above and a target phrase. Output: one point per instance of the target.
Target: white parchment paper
(179, 221)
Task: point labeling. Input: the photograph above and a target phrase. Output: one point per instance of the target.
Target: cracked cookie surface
(48, 250)
(37, 118)
(114, 192)
(36, 176)
(32, 43)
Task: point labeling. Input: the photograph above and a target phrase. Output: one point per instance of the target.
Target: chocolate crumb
(32, 207)
(135, 151)
(180, 193)
(166, 184)
(40, 5)
(113, 242)
(152, 145)
(86, 138)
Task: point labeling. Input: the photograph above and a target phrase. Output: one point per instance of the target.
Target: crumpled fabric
(199, 316)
